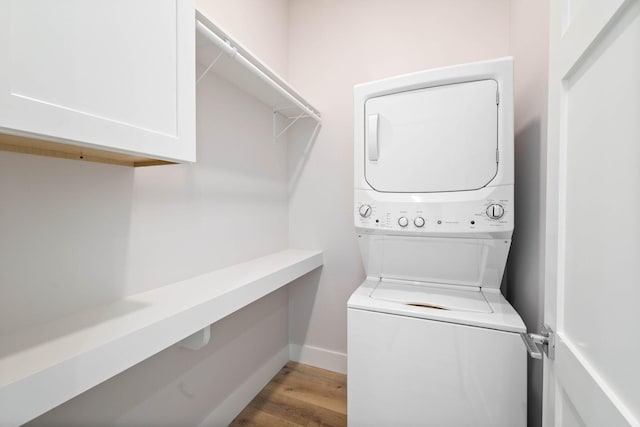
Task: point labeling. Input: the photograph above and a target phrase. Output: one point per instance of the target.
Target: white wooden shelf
(47, 365)
(217, 52)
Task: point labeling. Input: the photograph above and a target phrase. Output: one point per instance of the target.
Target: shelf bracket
(291, 120)
(225, 47)
(314, 133)
(204, 73)
(197, 340)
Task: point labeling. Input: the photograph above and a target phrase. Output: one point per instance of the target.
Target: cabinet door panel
(114, 74)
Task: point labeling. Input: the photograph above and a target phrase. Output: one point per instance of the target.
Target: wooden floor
(299, 395)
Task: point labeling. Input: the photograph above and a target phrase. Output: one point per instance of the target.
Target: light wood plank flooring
(299, 395)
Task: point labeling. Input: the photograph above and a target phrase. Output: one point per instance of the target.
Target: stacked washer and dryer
(431, 340)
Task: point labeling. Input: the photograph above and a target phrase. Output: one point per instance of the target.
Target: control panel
(424, 214)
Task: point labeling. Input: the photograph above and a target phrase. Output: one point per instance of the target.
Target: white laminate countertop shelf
(47, 365)
(242, 68)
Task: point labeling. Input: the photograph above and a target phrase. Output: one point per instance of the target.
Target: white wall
(76, 234)
(529, 47)
(332, 46)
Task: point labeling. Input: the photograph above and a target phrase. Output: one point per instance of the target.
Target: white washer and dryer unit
(431, 340)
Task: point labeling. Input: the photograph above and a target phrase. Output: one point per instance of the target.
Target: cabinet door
(591, 268)
(109, 74)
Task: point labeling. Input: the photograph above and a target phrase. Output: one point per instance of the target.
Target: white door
(416, 141)
(110, 74)
(593, 214)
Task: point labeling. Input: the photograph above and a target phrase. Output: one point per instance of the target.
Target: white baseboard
(319, 357)
(240, 398)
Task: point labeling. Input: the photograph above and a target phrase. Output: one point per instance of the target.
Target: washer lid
(441, 297)
(502, 316)
(435, 139)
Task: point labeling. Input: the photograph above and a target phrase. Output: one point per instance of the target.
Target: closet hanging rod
(230, 50)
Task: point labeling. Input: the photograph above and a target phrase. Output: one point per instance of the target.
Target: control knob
(419, 222)
(365, 211)
(495, 211)
(403, 221)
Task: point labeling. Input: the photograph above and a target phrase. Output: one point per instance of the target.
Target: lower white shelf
(43, 367)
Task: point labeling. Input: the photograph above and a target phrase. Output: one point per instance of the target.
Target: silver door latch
(544, 342)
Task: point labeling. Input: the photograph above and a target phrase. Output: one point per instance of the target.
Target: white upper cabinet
(114, 75)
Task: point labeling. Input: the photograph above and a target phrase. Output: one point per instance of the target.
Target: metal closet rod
(226, 47)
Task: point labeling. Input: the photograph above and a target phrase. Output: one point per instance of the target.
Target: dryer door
(436, 139)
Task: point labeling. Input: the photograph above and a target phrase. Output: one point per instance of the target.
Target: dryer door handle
(372, 137)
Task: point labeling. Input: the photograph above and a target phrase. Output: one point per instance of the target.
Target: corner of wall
(244, 393)
(319, 357)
